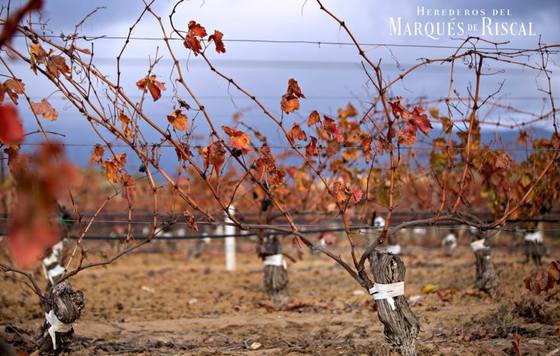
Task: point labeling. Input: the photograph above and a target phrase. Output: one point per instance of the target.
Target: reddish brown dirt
(158, 303)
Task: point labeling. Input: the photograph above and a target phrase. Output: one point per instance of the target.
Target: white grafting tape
(275, 260)
(478, 245)
(450, 241)
(394, 249)
(387, 291)
(379, 222)
(55, 272)
(56, 326)
(56, 251)
(534, 237)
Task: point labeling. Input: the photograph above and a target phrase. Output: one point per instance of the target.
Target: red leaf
(311, 148)
(217, 38)
(421, 120)
(11, 129)
(214, 155)
(357, 194)
(194, 35)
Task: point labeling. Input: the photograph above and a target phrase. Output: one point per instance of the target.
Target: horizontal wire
(320, 147)
(271, 41)
(318, 97)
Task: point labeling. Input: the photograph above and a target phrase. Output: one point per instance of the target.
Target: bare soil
(157, 303)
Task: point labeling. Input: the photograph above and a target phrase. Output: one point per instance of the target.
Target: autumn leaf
(503, 160)
(192, 40)
(125, 122)
(523, 137)
(178, 120)
(190, 220)
(290, 100)
(265, 167)
(407, 136)
(239, 139)
(446, 123)
(11, 23)
(11, 128)
(313, 118)
(421, 120)
(356, 194)
(12, 87)
(349, 111)
(113, 167)
(31, 227)
(398, 109)
(44, 108)
(366, 146)
(97, 154)
(217, 38)
(311, 148)
(214, 155)
(289, 104)
(296, 133)
(128, 187)
(56, 65)
(151, 84)
(332, 129)
(339, 192)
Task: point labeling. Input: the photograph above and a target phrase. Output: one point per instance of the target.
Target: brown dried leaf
(296, 133)
(314, 118)
(151, 84)
(178, 120)
(44, 108)
(97, 154)
(190, 220)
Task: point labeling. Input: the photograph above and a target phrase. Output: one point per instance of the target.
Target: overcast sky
(329, 75)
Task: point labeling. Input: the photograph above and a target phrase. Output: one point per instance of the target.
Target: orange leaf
(97, 153)
(314, 118)
(44, 108)
(214, 155)
(13, 87)
(408, 135)
(154, 86)
(290, 100)
(178, 120)
(239, 139)
(125, 122)
(296, 133)
(289, 105)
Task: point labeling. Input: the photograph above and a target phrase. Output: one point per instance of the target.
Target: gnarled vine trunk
(534, 247)
(401, 326)
(486, 278)
(275, 271)
(64, 305)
